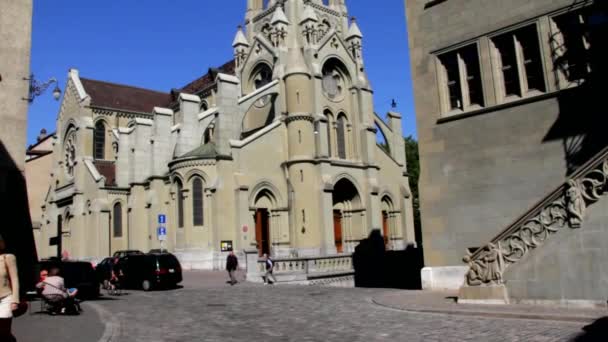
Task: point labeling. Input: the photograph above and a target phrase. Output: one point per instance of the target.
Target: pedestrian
(9, 292)
(269, 263)
(232, 263)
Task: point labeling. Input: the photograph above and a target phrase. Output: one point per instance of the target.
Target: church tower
(313, 52)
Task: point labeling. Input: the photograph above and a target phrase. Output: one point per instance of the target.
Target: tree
(413, 170)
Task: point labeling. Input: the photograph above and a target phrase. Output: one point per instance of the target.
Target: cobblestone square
(207, 309)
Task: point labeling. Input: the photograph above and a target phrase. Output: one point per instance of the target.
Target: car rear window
(168, 261)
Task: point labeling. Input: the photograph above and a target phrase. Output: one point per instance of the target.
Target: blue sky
(159, 44)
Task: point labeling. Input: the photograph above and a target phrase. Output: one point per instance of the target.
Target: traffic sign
(162, 231)
(162, 219)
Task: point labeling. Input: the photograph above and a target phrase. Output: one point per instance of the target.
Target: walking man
(232, 263)
(269, 267)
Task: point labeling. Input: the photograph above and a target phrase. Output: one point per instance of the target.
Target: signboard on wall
(226, 246)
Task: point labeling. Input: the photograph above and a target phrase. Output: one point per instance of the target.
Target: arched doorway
(346, 201)
(387, 218)
(264, 202)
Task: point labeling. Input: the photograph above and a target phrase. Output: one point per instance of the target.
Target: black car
(76, 274)
(150, 271)
(120, 254)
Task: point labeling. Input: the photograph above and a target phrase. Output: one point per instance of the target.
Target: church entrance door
(262, 231)
(338, 231)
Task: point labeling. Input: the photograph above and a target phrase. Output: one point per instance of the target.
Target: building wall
(15, 46)
(483, 168)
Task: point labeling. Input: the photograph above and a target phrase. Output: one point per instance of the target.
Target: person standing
(9, 292)
(232, 263)
(269, 268)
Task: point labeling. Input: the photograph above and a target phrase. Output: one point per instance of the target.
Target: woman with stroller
(54, 292)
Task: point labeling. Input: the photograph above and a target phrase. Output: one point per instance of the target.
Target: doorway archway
(264, 203)
(346, 201)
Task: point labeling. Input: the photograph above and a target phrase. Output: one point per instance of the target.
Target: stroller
(61, 304)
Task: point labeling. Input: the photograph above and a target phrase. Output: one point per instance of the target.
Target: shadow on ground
(594, 332)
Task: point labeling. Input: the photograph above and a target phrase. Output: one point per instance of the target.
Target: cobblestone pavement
(444, 302)
(40, 327)
(207, 309)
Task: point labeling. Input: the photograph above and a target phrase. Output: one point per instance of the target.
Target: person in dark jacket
(232, 263)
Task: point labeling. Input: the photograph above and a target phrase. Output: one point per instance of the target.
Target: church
(278, 150)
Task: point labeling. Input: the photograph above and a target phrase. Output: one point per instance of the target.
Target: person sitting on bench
(54, 291)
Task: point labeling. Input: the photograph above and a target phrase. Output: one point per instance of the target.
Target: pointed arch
(197, 202)
(330, 131)
(341, 135)
(117, 221)
(99, 140)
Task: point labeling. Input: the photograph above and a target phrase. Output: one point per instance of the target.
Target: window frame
(557, 37)
(514, 34)
(342, 146)
(179, 192)
(198, 201)
(117, 222)
(99, 132)
(462, 78)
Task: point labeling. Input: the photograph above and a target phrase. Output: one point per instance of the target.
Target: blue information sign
(162, 231)
(162, 219)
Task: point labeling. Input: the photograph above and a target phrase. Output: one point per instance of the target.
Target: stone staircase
(564, 208)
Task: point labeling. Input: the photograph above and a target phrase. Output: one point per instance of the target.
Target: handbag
(22, 306)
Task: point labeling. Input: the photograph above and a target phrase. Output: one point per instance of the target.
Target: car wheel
(146, 285)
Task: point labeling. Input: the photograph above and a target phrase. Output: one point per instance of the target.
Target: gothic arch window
(330, 127)
(335, 80)
(117, 218)
(69, 151)
(99, 140)
(180, 203)
(197, 202)
(204, 106)
(260, 77)
(341, 135)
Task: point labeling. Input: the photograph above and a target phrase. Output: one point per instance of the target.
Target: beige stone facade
(508, 97)
(276, 150)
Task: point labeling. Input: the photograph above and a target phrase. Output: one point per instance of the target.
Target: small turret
(279, 22)
(308, 23)
(354, 40)
(240, 45)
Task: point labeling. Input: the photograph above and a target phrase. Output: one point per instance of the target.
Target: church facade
(276, 150)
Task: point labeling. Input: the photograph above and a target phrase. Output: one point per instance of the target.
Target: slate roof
(124, 97)
(208, 79)
(135, 99)
(206, 151)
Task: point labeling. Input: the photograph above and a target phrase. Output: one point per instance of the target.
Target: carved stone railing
(303, 270)
(563, 207)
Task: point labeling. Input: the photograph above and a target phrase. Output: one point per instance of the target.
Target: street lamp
(36, 89)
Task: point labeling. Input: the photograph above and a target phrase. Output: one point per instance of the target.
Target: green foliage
(413, 169)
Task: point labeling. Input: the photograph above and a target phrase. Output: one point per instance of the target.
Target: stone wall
(483, 169)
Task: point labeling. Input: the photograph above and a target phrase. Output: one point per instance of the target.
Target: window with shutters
(117, 217)
(197, 202)
(99, 140)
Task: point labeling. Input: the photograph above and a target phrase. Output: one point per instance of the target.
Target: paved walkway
(444, 302)
(208, 309)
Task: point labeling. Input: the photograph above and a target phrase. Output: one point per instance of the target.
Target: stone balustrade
(302, 270)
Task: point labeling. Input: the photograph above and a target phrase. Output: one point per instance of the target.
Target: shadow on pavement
(594, 332)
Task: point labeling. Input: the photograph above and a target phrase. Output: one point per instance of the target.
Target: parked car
(121, 254)
(76, 274)
(150, 271)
